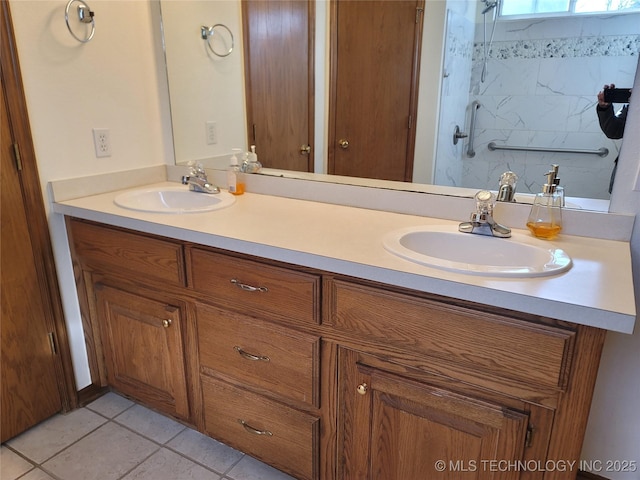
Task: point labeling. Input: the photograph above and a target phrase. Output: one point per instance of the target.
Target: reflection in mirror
(539, 86)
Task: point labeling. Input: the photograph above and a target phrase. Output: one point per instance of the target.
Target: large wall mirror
(511, 88)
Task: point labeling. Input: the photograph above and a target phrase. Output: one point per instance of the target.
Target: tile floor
(116, 439)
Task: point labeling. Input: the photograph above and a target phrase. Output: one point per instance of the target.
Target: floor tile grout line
(140, 463)
(34, 462)
(34, 465)
(168, 447)
(88, 407)
(225, 475)
(40, 465)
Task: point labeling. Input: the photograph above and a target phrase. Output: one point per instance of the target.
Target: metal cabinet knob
(343, 143)
(167, 323)
(305, 149)
(362, 389)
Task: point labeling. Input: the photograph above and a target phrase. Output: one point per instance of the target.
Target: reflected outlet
(212, 132)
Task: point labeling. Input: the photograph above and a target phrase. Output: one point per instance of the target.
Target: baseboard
(90, 393)
(588, 476)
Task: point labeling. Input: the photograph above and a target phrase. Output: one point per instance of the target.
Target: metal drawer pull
(255, 431)
(250, 356)
(248, 288)
(166, 323)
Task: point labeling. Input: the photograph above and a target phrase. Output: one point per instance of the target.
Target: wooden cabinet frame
(368, 329)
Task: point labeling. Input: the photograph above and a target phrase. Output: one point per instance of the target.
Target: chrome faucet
(197, 180)
(482, 222)
(507, 187)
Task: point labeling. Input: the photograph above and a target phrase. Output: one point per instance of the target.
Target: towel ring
(207, 33)
(85, 15)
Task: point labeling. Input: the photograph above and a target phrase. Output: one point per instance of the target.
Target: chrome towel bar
(475, 105)
(601, 152)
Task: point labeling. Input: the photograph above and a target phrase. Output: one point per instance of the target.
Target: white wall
(613, 432)
(117, 81)
(218, 81)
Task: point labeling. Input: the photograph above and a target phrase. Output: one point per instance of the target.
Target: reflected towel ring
(207, 33)
(85, 15)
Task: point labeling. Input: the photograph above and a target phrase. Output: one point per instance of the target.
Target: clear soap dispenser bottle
(235, 178)
(545, 219)
(251, 163)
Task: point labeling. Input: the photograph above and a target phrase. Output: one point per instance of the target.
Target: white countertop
(596, 291)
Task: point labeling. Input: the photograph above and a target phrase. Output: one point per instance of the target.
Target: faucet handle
(485, 201)
(197, 169)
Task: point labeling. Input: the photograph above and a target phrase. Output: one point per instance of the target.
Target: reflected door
(375, 66)
(279, 44)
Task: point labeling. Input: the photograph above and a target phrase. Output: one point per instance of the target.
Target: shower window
(531, 8)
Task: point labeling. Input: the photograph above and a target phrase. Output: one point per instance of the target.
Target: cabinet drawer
(119, 251)
(256, 288)
(482, 342)
(281, 436)
(272, 358)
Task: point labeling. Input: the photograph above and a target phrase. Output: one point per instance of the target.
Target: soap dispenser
(251, 163)
(235, 178)
(545, 219)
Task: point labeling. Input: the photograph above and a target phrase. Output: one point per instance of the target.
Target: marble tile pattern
(540, 90)
(116, 439)
(456, 78)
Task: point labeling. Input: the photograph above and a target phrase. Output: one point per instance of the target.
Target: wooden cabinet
(434, 390)
(395, 427)
(329, 377)
(143, 348)
(260, 372)
(269, 358)
(133, 314)
(282, 436)
(255, 288)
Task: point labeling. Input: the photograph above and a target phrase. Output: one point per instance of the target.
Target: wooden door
(279, 80)
(36, 372)
(375, 52)
(143, 348)
(29, 380)
(395, 428)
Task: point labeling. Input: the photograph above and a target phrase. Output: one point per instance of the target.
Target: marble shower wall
(457, 68)
(540, 90)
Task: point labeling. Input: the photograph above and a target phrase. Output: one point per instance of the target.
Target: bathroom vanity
(282, 328)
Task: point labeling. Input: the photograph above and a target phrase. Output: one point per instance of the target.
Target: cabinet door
(397, 428)
(144, 348)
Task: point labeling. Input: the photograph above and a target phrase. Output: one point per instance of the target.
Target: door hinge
(17, 157)
(528, 439)
(52, 343)
(419, 12)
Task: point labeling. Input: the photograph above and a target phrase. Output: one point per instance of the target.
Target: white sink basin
(442, 246)
(170, 199)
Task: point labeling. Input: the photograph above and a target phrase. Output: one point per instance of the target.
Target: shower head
(489, 6)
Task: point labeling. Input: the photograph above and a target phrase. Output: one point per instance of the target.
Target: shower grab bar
(475, 105)
(602, 152)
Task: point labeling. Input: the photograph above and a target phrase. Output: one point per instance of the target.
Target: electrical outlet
(212, 133)
(102, 142)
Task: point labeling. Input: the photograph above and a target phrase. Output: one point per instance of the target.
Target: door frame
(34, 206)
